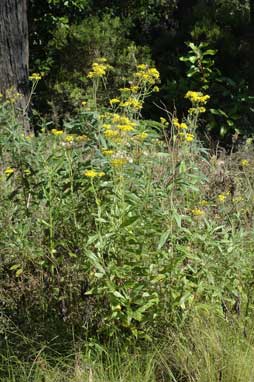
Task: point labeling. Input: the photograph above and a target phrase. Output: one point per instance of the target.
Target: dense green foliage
(66, 36)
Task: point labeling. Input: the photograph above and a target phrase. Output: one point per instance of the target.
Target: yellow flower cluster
(198, 110)
(127, 127)
(81, 138)
(107, 152)
(99, 69)
(189, 137)
(245, 163)
(27, 171)
(141, 136)
(94, 173)
(118, 123)
(163, 121)
(131, 89)
(35, 77)
(179, 125)
(12, 95)
(183, 133)
(147, 75)
(132, 103)
(221, 198)
(197, 212)
(122, 119)
(114, 101)
(197, 97)
(9, 170)
(111, 133)
(57, 132)
(69, 138)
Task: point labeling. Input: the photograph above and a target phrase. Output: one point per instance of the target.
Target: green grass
(208, 349)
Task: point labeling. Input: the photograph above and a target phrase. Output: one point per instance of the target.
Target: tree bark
(251, 47)
(14, 51)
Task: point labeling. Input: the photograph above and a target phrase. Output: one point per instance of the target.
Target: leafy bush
(110, 230)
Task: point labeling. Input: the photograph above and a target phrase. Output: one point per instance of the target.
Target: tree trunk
(251, 47)
(14, 52)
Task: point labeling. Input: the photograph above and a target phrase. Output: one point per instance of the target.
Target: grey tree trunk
(14, 52)
(251, 46)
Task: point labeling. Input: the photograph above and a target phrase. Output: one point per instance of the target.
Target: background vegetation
(66, 36)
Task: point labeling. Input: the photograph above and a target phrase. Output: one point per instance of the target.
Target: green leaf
(95, 262)
(14, 267)
(129, 221)
(218, 112)
(19, 272)
(163, 239)
(118, 294)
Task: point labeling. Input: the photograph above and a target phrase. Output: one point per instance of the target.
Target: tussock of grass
(210, 350)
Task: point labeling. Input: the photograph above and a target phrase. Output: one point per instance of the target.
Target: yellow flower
(93, 173)
(221, 198)
(69, 138)
(56, 132)
(197, 97)
(116, 118)
(106, 126)
(133, 103)
(9, 170)
(197, 212)
(114, 101)
(35, 77)
(125, 90)
(189, 137)
(107, 152)
(134, 88)
(111, 133)
(163, 121)
(121, 119)
(198, 109)
(83, 103)
(125, 104)
(81, 138)
(156, 89)
(142, 66)
(127, 127)
(154, 73)
(136, 104)
(29, 136)
(175, 122)
(147, 75)
(141, 136)
(183, 126)
(98, 70)
(102, 59)
(245, 163)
